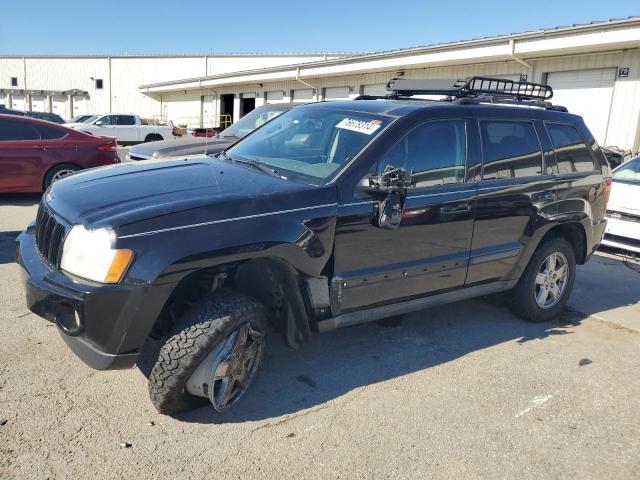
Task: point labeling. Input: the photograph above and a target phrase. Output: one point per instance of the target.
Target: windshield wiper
(256, 165)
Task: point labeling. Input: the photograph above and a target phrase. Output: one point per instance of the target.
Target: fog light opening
(68, 319)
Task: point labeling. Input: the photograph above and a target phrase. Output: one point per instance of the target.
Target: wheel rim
(235, 366)
(61, 173)
(551, 280)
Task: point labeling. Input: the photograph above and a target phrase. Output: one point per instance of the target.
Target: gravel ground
(463, 391)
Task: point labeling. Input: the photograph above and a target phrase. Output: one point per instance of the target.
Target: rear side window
(12, 131)
(435, 152)
(511, 149)
(48, 133)
(572, 154)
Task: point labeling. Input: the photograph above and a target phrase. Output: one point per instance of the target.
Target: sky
(117, 27)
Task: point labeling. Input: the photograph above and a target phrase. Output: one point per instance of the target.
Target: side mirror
(99, 123)
(393, 179)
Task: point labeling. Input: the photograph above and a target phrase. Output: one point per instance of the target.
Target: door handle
(544, 195)
(460, 208)
(40, 147)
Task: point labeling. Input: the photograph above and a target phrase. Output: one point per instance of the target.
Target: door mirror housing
(99, 123)
(392, 179)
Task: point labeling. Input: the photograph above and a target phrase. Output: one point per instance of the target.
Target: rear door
(429, 251)
(516, 190)
(21, 155)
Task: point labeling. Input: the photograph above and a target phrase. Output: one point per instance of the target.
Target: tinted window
(17, 131)
(511, 149)
(572, 154)
(48, 133)
(125, 120)
(435, 152)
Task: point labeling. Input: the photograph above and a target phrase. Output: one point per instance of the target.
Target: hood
(181, 146)
(209, 189)
(625, 197)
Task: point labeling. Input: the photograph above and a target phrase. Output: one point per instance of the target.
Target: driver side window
(435, 152)
(107, 120)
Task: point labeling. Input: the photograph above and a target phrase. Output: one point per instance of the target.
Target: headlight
(88, 254)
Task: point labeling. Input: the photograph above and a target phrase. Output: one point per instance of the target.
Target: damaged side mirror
(390, 180)
(391, 185)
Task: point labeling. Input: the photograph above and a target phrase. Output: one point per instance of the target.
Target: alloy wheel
(235, 366)
(551, 280)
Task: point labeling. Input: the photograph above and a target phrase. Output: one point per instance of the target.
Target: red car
(35, 153)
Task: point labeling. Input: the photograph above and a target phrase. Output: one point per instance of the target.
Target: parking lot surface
(462, 391)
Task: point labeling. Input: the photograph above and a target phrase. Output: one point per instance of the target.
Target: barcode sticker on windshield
(360, 126)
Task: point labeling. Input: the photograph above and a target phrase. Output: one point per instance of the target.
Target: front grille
(49, 236)
(626, 217)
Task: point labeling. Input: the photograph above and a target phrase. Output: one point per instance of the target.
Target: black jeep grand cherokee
(330, 215)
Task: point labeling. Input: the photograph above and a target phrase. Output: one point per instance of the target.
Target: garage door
(17, 102)
(275, 97)
(336, 93)
(38, 103)
(79, 106)
(3, 100)
(59, 106)
(587, 93)
(303, 95)
(375, 89)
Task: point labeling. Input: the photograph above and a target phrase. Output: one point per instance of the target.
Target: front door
(429, 251)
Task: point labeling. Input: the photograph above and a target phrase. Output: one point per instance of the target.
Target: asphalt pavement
(461, 391)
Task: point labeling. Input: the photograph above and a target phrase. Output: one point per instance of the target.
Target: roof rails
(472, 87)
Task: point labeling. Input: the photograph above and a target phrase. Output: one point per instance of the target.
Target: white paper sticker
(360, 126)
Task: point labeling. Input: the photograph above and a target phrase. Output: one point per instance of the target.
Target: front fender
(303, 239)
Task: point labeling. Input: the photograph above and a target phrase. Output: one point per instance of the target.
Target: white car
(623, 210)
(127, 129)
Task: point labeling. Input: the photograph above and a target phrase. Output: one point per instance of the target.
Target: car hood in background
(181, 146)
(130, 196)
(625, 197)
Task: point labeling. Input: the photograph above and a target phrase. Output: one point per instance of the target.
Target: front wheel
(213, 353)
(547, 282)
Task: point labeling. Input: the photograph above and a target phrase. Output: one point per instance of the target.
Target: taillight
(108, 147)
(607, 190)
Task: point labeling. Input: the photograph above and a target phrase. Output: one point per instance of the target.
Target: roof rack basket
(472, 87)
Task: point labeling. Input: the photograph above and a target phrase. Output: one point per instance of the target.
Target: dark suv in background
(330, 215)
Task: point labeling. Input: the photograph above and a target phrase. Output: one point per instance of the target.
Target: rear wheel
(58, 172)
(214, 353)
(547, 282)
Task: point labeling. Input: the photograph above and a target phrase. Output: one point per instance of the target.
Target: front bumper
(104, 325)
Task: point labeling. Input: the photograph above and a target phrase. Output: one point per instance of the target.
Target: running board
(384, 311)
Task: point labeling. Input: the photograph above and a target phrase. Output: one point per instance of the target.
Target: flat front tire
(224, 332)
(547, 282)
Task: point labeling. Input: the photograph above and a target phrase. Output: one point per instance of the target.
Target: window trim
(594, 160)
(407, 132)
(531, 121)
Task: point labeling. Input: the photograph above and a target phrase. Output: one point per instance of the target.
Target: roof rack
(472, 87)
(472, 91)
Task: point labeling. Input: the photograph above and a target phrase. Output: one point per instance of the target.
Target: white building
(593, 68)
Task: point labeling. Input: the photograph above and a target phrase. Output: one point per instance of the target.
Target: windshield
(90, 119)
(628, 172)
(253, 120)
(310, 143)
